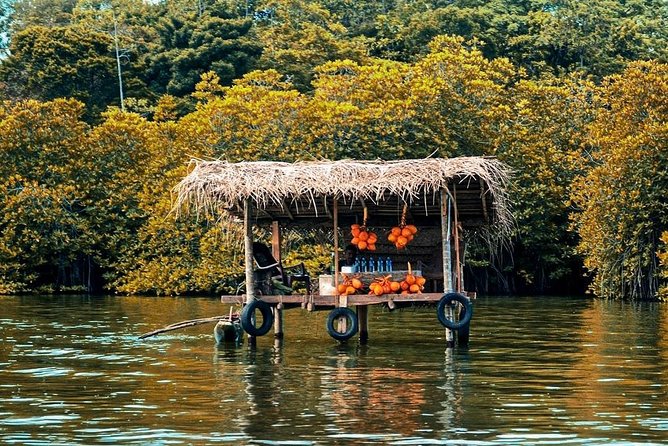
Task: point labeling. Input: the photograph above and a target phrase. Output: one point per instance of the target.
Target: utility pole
(118, 61)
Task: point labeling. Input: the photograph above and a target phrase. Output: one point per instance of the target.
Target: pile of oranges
(383, 285)
(402, 235)
(412, 284)
(350, 285)
(363, 239)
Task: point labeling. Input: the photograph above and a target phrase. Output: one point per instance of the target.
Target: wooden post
(445, 238)
(248, 245)
(276, 252)
(248, 258)
(363, 319)
(276, 240)
(458, 272)
(278, 320)
(335, 273)
(447, 258)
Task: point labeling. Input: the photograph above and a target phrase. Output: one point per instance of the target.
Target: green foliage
(623, 196)
(662, 255)
(49, 63)
(510, 81)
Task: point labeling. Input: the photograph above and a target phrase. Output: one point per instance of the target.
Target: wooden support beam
(278, 320)
(276, 240)
(336, 243)
(458, 272)
(363, 320)
(248, 251)
(248, 258)
(483, 197)
(286, 209)
(445, 239)
(327, 211)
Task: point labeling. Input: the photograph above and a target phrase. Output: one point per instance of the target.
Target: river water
(537, 371)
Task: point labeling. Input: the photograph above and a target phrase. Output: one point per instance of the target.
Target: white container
(326, 285)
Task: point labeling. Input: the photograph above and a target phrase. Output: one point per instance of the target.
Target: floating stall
(405, 220)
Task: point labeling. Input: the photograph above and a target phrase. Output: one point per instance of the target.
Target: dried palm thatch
(215, 185)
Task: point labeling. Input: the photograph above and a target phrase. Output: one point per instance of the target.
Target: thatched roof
(305, 190)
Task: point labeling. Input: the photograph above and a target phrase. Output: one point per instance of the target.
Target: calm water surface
(538, 371)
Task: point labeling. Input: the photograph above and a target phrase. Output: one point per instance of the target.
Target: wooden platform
(332, 301)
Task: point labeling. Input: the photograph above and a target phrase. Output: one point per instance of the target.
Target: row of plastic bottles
(373, 264)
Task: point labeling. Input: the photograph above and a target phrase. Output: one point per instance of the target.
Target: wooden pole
(335, 273)
(458, 271)
(445, 238)
(248, 249)
(363, 318)
(278, 320)
(276, 252)
(248, 258)
(447, 259)
(276, 240)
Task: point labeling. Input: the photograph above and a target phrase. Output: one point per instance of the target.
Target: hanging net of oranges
(402, 235)
(363, 238)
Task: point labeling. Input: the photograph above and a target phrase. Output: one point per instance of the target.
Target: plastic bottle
(371, 265)
(388, 264)
(381, 265)
(363, 265)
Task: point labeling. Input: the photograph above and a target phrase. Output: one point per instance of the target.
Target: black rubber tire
(353, 324)
(247, 314)
(464, 319)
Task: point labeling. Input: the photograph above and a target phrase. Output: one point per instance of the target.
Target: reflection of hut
(441, 197)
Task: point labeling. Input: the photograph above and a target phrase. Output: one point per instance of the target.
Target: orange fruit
(371, 247)
(404, 285)
(355, 232)
(378, 290)
(350, 290)
(404, 292)
(420, 280)
(410, 279)
(362, 245)
(364, 236)
(354, 226)
(373, 238)
(355, 240)
(412, 228)
(414, 288)
(392, 238)
(357, 283)
(406, 232)
(341, 288)
(396, 231)
(395, 286)
(401, 241)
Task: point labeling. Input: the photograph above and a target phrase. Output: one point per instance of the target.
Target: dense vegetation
(572, 95)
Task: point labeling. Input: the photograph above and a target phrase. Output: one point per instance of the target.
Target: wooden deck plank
(330, 301)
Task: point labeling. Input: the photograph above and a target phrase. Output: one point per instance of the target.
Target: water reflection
(538, 371)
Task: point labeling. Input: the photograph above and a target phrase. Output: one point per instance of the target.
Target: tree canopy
(571, 95)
